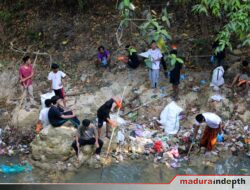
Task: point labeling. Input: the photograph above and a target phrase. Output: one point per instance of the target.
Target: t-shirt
(56, 79)
(26, 72)
(103, 55)
(87, 134)
(104, 110)
(212, 120)
(155, 54)
(54, 115)
(43, 116)
(133, 61)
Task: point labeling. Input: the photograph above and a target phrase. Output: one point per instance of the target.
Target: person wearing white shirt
(155, 57)
(43, 116)
(56, 76)
(213, 128)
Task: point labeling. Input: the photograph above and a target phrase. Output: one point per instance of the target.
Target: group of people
(156, 58)
(57, 114)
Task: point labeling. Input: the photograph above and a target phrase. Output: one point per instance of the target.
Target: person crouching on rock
(57, 117)
(214, 125)
(242, 79)
(103, 115)
(87, 135)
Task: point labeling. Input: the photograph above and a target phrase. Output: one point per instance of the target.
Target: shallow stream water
(139, 171)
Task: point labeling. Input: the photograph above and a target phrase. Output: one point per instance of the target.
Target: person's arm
(236, 78)
(31, 75)
(197, 127)
(63, 75)
(113, 107)
(96, 136)
(112, 123)
(68, 116)
(51, 85)
(77, 143)
(51, 81)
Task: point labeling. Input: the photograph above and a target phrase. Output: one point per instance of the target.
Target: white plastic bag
(217, 77)
(120, 138)
(120, 121)
(170, 118)
(45, 97)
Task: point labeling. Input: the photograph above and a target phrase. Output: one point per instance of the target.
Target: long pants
(90, 142)
(153, 77)
(28, 94)
(75, 121)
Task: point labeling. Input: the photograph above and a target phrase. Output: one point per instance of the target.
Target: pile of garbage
(168, 141)
(14, 144)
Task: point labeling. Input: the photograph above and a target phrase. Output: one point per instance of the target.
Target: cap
(174, 46)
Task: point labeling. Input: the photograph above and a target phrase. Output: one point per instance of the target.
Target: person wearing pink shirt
(25, 74)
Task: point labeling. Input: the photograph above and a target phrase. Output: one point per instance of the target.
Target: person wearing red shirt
(25, 74)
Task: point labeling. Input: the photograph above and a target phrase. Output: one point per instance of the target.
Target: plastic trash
(2, 151)
(196, 88)
(217, 98)
(175, 152)
(220, 137)
(203, 82)
(119, 120)
(175, 164)
(217, 77)
(120, 137)
(15, 169)
(45, 97)
(183, 77)
(138, 132)
(158, 146)
(133, 116)
(170, 118)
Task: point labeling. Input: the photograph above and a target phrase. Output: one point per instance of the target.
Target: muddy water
(126, 172)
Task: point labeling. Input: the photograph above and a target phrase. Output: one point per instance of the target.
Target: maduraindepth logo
(224, 181)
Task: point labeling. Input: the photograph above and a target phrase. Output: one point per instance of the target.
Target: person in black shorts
(55, 77)
(175, 74)
(103, 115)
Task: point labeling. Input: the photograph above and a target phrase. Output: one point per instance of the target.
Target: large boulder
(53, 144)
(25, 119)
(51, 150)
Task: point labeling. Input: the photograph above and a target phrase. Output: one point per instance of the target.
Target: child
(175, 73)
(103, 57)
(26, 74)
(56, 76)
(155, 57)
